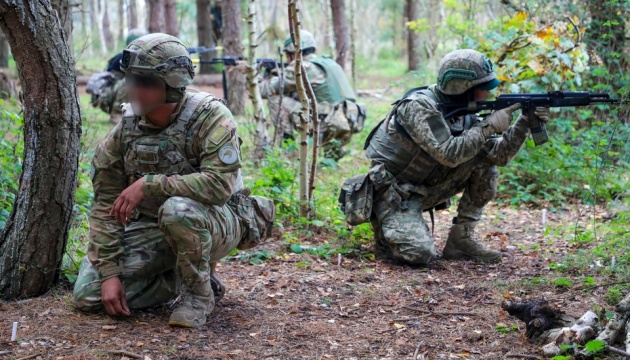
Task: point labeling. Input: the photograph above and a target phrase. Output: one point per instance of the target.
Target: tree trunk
(64, 12)
(32, 242)
(132, 15)
(156, 17)
(4, 51)
(107, 30)
(342, 35)
(232, 46)
(204, 34)
(121, 22)
(413, 37)
(170, 18)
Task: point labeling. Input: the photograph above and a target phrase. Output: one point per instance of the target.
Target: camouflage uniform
(194, 210)
(420, 161)
(339, 115)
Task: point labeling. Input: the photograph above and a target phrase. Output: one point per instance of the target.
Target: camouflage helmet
(134, 34)
(306, 38)
(462, 70)
(159, 55)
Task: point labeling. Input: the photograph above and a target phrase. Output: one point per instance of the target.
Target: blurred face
(145, 93)
(290, 56)
(481, 95)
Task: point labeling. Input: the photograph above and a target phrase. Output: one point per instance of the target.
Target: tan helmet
(161, 56)
(306, 38)
(462, 70)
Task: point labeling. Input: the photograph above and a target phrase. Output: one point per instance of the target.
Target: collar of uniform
(144, 122)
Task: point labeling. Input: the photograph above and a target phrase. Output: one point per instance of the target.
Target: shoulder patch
(228, 154)
(219, 134)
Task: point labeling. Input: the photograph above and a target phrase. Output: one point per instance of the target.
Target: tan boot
(196, 304)
(461, 244)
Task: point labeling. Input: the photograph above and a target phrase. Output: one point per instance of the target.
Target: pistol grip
(537, 128)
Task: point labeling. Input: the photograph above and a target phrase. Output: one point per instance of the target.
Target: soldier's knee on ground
(87, 289)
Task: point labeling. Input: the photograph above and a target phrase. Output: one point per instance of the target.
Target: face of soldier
(481, 95)
(145, 93)
(290, 56)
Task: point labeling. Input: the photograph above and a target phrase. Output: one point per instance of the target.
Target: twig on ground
(445, 313)
(617, 351)
(416, 353)
(125, 353)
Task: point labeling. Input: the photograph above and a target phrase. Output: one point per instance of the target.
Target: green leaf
(594, 346)
(296, 248)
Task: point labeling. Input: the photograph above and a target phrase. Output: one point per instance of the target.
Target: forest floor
(301, 306)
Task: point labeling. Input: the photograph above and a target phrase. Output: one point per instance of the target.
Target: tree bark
(107, 29)
(204, 34)
(132, 15)
(170, 18)
(4, 51)
(413, 37)
(232, 46)
(32, 242)
(121, 22)
(64, 12)
(342, 34)
(156, 19)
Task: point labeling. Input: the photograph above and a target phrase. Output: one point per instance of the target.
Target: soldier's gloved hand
(499, 121)
(542, 114)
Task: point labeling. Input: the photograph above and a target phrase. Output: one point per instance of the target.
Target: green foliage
(504, 329)
(11, 153)
(562, 282)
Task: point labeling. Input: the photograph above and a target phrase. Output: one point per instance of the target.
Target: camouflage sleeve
(501, 150)
(216, 144)
(428, 128)
(272, 85)
(106, 234)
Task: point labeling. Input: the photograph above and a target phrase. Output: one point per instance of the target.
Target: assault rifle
(529, 103)
(268, 64)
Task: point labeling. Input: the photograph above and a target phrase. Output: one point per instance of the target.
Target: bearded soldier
(340, 115)
(168, 196)
(421, 160)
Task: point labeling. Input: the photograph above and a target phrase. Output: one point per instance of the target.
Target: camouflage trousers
(399, 227)
(334, 128)
(161, 254)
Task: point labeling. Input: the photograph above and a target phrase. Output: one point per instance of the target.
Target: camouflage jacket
(272, 85)
(211, 181)
(428, 147)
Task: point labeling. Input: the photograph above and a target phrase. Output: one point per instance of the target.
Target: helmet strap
(174, 95)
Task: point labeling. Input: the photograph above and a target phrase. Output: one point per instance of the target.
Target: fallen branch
(29, 357)
(125, 353)
(522, 356)
(617, 351)
(6, 352)
(439, 313)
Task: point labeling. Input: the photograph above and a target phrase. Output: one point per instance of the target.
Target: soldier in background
(107, 89)
(340, 115)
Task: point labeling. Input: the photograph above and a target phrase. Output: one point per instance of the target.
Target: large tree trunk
(232, 46)
(170, 18)
(204, 34)
(132, 15)
(32, 242)
(412, 12)
(156, 19)
(342, 34)
(4, 51)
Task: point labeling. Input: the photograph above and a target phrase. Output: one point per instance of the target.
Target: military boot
(461, 244)
(197, 302)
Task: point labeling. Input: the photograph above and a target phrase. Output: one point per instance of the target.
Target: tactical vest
(337, 87)
(391, 145)
(165, 151)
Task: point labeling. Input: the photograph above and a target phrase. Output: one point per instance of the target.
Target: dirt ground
(348, 308)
